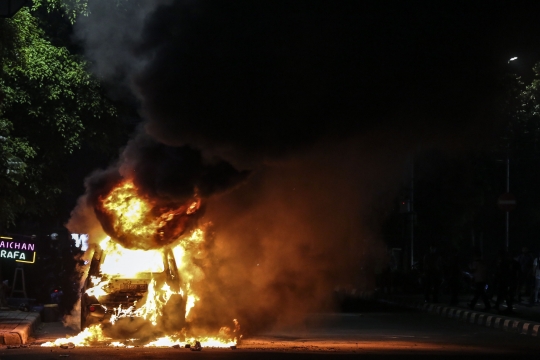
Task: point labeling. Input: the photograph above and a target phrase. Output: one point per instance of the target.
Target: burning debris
(197, 346)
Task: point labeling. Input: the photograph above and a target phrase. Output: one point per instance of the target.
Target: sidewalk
(524, 319)
(17, 326)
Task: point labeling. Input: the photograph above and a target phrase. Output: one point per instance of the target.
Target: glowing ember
(117, 344)
(211, 342)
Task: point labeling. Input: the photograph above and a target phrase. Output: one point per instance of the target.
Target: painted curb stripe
(444, 310)
(514, 325)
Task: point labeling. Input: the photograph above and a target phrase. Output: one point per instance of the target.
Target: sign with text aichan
(20, 250)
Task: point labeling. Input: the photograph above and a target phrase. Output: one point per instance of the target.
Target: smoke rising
(110, 35)
(172, 173)
(322, 102)
(170, 179)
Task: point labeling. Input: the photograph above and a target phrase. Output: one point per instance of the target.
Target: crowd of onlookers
(508, 279)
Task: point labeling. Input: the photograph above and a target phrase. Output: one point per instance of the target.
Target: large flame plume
(140, 223)
(160, 264)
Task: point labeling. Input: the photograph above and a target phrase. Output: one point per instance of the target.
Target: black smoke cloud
(168, 177)
(324, 101)
(169, 173)
(268, 78)
(271, 77)
(165, 174)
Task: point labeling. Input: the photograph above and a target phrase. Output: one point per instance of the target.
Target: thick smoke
(322, 101)
(110, 35)
(272, 78)
(169, 178)
(173, 174)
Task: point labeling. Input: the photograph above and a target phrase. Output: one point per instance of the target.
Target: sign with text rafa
(17, 249)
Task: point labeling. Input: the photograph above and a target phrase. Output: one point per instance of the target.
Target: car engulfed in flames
(123, 283)
(142, 274)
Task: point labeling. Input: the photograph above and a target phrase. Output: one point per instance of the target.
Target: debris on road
(197, 346)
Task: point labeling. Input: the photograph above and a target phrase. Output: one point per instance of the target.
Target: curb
(523, 327)
(20, 334)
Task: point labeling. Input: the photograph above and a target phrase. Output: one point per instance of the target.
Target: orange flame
(141, 223)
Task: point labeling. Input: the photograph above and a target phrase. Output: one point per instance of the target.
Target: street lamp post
(412, 211)
(508, 192)
(507, 242)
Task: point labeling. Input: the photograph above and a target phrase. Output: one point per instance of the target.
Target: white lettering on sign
(12, 255)
(16, 245)
(81, 240)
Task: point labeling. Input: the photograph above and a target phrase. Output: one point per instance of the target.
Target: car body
(124, 292)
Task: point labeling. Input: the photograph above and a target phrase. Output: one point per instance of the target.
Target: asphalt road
(375, 332)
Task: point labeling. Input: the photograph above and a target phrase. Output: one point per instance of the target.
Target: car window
(131, 262)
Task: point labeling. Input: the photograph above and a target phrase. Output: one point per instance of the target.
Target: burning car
(142, 279)
(134, 273)
(123, 283)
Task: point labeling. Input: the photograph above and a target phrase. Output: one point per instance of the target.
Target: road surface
(379, 331)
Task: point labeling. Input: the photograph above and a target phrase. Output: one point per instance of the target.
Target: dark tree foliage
(57, 124)
(52, 107)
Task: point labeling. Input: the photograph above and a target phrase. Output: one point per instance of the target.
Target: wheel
(83, 314)
(174, 314)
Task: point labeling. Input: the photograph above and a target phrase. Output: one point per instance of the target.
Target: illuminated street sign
(23, 251)
(81, 241)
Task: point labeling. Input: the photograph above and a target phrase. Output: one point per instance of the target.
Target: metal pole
(507, 191)
(412, 211)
